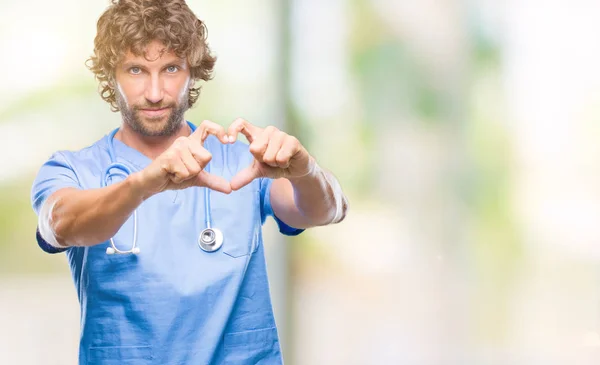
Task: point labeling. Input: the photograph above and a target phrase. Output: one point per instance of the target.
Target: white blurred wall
(410, 293)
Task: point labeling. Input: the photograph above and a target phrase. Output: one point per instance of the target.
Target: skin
(152, 91)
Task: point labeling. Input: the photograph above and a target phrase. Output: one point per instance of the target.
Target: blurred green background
(465, 134)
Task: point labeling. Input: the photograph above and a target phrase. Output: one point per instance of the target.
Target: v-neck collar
(129, 154)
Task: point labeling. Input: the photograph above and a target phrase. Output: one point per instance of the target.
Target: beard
(152, 126)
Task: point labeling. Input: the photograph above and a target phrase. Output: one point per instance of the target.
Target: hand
(182, 164)
(276, 154)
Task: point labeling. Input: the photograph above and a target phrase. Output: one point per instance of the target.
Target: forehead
(154, 53)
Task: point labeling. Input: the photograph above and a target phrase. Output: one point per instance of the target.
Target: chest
(166, 229)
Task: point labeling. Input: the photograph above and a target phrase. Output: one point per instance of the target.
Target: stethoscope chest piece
(210, 239)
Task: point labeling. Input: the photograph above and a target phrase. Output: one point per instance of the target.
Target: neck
(150, 146)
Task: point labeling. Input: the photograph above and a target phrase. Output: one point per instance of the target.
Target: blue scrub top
(173, 303)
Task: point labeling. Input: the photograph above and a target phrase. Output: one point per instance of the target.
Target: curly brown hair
(130, 25)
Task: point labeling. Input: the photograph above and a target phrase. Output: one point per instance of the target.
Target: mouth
(154, 112)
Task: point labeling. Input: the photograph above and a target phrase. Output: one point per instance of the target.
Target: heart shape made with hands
(276, 153)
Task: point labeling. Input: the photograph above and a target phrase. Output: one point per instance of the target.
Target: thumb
(213, 182)
(244, 177)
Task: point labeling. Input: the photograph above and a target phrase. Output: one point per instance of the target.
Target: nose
(154, 90)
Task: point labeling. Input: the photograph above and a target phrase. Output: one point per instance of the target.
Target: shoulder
(78, 164)
(66, 168)
(94, 152)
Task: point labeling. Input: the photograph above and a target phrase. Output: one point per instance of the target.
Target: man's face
(153, 95)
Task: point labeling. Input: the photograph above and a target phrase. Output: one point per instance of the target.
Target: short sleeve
(54, 175)
(266, 209)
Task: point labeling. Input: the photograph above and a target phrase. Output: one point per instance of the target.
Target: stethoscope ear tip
(135, 250)
(110, 251)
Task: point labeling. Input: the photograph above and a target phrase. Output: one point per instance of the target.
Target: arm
(75, 217)
(302, 194)
(312, 200)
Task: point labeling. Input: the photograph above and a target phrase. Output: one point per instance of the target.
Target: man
(150, 188)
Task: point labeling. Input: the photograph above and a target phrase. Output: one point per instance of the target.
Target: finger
(244, 127)
(207, 127)
(244, 177)
(275, 143)
(177, 171)
(200, 154)
(285, 155)
(260, 144)
(191, 164)
(213, 182)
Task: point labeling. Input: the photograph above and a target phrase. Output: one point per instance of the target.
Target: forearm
(89, 217)
(319, 198)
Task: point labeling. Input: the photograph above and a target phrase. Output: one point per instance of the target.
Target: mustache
(154, 106)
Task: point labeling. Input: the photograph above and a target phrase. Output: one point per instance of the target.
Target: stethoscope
(210, 239)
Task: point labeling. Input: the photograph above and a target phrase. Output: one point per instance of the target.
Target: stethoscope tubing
(216, 236)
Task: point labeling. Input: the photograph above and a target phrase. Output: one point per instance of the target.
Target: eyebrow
(128, 65)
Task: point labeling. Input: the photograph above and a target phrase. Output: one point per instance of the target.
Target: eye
(172, 69)
(135, 70)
